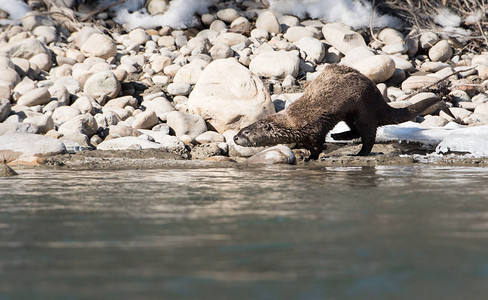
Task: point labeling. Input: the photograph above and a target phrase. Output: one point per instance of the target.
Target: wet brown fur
(339, 93)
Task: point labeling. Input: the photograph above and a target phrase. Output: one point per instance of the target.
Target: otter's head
(263, 133)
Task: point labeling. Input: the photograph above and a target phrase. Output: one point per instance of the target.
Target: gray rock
(84, 124)
(5, 108)
(17, 128)
(102, 83)
(203, 151)
(186, 124)
(6, 171)
(441, 51)
(179, 88)
(26, 144)
(279, 154)
(43, 122)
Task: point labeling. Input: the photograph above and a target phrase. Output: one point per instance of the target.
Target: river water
(279, 232)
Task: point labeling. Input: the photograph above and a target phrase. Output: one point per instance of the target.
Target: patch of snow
(446, 18)
(15, 8)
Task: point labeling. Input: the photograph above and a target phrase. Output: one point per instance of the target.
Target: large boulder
(229, 96)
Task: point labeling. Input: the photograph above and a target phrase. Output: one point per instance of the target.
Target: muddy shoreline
(337, 155)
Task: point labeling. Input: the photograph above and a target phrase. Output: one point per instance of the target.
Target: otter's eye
(266, 127)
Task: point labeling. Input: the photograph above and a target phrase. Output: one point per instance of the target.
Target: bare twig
(426, 88)
(101, 9)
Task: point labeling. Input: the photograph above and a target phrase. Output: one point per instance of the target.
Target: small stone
(397, 48)
(378, 68)
(428, 39)
(145, 120)
(39, 96)
(279, 154)
(342, 38)
(275, 64)
(228, 15)
(43, 122)
(390, 36)
(63, 114)
(433, 66)
(6, 171)
(84, 124)
(218, 26)
(138, 36)
(476, 119)
(186, 124)
(99, 45)
(5, 109)
(482, 109)
(313, 48)
(433, 121)
(232, 39)
(189, 73)
(203, 151)
(268, 21)
(356, 54)
(417, 82)
(441, 51)
(221, 50)
(296, 33)
(179, 88)
(209, 137)
(15, 127)
(102, 83)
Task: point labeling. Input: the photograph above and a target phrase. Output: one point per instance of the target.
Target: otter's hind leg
(368, 138)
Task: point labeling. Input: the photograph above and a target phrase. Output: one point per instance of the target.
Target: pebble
(179, 88)
(441, 51)
(277, 64)
(38, 96)
(417, 82)
(27, 145)
(5, 109)
(313, 48)
(128, 143)
(378, 68)
(279, 154)
(145, 120)
(267, 21)
(186, 124)
(99, 45)
(81, 124)
(102, 83)
(6, 171)
(203, 151)
(210, 137)
(341, 37)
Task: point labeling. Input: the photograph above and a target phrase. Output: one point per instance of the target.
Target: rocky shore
(68, 86)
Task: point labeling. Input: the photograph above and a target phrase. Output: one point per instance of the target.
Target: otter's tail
(409, 113)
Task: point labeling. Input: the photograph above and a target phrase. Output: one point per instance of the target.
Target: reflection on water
(277, 232)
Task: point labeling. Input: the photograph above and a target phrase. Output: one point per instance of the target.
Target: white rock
(43, 122)
(179, 88)
(279, 154)
(145, 120)
(433, 121)
(27, 145)
(28, 48)
(63, 114)
(221, 50)
(99, 45)
(82, 124)
(102, 83)
(210, 137)
(313, 48)
(232, 39)
(39, 96)
(417, 82)
(402, 63)
(441, 51)
(356, 54)
(296, 33)
(397, 48)
(186, 124)
(378, 68)
(16, 127)
(275, 64)
(428, 39)
(83, 104)
(189, 73)
(228, 14)
(138, 36)
(342, 38)
(482, 109)
(390, 36)
(268, 21)
(229, 96)
(159, 105)
(47, 33)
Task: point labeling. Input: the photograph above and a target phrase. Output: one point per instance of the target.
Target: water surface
(288, 232)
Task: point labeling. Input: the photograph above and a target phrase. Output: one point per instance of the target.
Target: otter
(339, 93)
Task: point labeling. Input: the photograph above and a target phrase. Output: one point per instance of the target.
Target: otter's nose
(236, 138)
